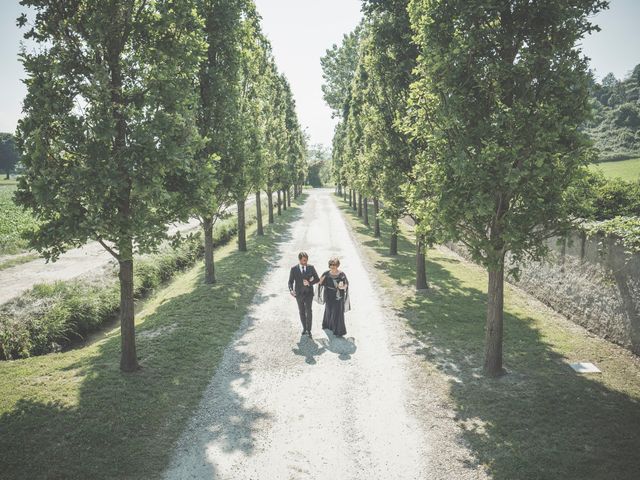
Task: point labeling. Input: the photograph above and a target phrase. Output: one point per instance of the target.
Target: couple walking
(332, 293)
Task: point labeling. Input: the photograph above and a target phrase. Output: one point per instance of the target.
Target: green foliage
(499, 133)
(338, 70)
(229, 103)
(371, 151)
(616, 197)
(109, 131)
(338, 66)
(389, 57)
(602, 198)
(319, 174)
(626, 230)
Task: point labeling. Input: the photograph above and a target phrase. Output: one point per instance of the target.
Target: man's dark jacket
(296, 277)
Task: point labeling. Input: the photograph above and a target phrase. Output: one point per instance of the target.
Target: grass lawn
(626, 169)
(11, 182)
(74, 415)
(13, 220)
(542, 421)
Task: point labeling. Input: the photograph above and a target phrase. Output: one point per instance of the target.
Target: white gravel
(282, 406)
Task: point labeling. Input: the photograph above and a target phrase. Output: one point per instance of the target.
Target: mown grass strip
(74, 415)
(625, 169)
(542, 421)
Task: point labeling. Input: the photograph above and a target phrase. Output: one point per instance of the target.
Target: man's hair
(302, 255)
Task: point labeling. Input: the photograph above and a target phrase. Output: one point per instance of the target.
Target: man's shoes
(309, 333)
(304, 332)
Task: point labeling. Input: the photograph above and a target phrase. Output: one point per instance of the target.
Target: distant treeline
(615, 125)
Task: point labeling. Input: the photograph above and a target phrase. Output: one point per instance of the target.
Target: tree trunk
(355, 201)
(421, 267)
(285, 194)
(270, 205)
(289, 197)
(259, 214)
(393, 241)
(350, 198)
(242, 230)
(7, 177)
(344, 194)
(366, 211)
(128, 358)
(494, 327)
(360, 205)
(279, 204)
(209, 266)
(376, 220)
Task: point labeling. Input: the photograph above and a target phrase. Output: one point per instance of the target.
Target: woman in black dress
(333, 292)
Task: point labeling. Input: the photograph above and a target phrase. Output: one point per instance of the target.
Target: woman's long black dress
(336, 302)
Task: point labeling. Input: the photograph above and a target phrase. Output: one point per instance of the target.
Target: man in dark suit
(302, 278)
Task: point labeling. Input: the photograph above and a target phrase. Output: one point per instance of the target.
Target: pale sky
(301, 31)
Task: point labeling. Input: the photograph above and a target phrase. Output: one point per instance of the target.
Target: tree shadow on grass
(542, 420)
(126, 425)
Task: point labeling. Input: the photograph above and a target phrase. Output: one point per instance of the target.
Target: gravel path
(78, 261)
(282, 406)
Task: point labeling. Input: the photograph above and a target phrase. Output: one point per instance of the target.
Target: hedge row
(606, 198)
(51, 317)
(625, 229)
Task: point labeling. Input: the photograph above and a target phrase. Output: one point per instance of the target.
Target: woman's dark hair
(302, 255)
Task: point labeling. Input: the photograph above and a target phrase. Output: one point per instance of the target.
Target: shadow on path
(308, 348)
(343, 346)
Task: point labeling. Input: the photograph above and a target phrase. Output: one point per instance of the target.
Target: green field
(626, 169)
(542, 420)
(13, 220)
(74, 415)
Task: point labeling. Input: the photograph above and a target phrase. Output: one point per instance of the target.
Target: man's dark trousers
(303, 293)
(305, 301)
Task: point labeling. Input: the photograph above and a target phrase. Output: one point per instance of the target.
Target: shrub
(625, 229)
(604, 198)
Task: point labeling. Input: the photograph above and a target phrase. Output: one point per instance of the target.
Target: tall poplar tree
(219, 122)
(501, 93)
(108, 133)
